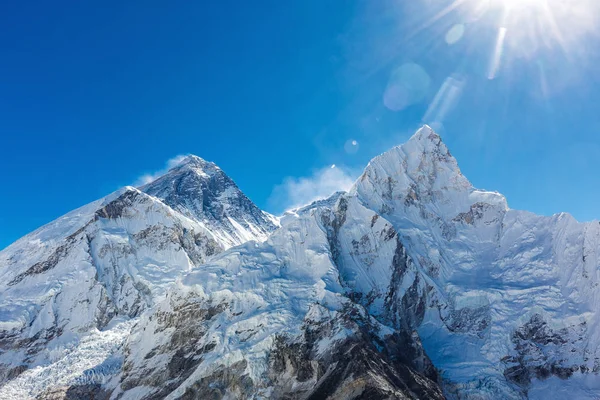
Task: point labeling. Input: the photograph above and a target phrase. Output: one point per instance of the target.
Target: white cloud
(295, 192)
(149, 177)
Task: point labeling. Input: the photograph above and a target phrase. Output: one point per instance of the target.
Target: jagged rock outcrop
(295, 316)
(201, 191)
(106, 263)
(413, 285)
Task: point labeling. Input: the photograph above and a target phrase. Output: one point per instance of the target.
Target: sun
(521, 3)
(528, 26)
(553, 43)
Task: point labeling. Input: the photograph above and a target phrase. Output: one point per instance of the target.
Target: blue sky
(95, 95)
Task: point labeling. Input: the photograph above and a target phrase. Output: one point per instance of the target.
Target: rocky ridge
(414, 284)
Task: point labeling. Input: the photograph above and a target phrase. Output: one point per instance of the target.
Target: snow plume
(298, 191)
(149, 177)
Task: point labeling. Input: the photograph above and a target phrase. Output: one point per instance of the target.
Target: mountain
(100, 266)
(413, 285)
(514, 295)
(201, 191)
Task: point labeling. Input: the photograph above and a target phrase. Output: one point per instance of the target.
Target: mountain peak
(420, 173)
(423, 159)
(425, 131)
(194, 162)
(190, 165)
(427, 141)
(200, 190)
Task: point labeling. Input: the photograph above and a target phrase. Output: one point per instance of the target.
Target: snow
(87, 362)
(89, 267)
(411, 228)
(508, 262)
(579, 386)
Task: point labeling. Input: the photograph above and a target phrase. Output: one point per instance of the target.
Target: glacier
(411, 285)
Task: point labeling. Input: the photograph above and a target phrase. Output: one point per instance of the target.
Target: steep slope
(516, 294)
(201, 191)
(280, 319)
(98, 268)
(414, 285)
(501, 301)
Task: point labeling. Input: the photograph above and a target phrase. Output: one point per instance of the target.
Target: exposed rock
(412, 281)
(363, 365)
(541, 351)
(77, 392)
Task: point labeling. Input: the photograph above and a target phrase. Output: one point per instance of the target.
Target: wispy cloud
(298, 191)
(149, 177)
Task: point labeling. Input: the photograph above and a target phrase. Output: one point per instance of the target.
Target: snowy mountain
(203, 192)
(413, 285)
(102, 265)
(513, 296)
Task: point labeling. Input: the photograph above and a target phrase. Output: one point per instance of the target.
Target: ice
(413, 245)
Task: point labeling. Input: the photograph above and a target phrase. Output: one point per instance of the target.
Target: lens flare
(535, 25)
(524, 34)
(531, 25)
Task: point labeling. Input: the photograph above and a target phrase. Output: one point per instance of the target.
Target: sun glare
(520, 3)
(532, 25)
(548, 41)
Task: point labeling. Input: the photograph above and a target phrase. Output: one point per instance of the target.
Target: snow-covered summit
(193, 162)
(421, 173)
(201, 191)
(413, 285)
(112, 259)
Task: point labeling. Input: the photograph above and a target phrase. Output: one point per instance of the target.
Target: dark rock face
(57, 255)
(364, 365)
(408, 308)
(31, 346)
(198, 246)
(541, 351)
(318, 364)
(8, 372)
(475, 213)
(189, 322)
(119, 206)
(231, 381)
(332, 223)
(202, 191)
(76, 392)
(469, 320)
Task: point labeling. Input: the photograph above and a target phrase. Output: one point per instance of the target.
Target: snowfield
(414, 284)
